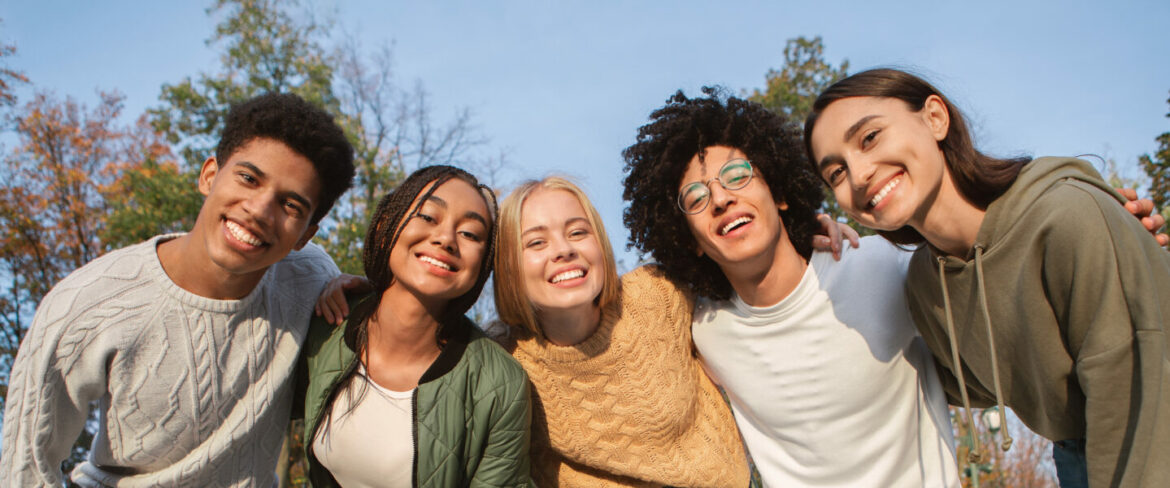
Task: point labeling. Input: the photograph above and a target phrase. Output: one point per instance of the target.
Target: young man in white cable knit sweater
(187, 342)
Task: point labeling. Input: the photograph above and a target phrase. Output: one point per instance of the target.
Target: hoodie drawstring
(976, 454)
(1006, 436)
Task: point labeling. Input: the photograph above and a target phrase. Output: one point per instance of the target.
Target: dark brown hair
(979, 178)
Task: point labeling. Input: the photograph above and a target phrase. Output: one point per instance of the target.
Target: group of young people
(1018, 282)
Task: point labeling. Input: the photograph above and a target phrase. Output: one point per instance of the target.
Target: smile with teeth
(733, 224)
(884, 191)
(435, 262)
(568, 275)
(241, 234)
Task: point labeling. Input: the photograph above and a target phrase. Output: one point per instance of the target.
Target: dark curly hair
(386, 225)
(678, 132)
(303, 127)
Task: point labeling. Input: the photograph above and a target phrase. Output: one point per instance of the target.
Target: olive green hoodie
(1077, 298)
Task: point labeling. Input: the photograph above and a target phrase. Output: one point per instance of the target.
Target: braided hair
(386, 226)
(683, 129)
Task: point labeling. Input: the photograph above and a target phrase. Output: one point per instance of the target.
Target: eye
(247, 178)
(294, 208)
(425, 218)
(473, 236)
(869, 138)
(534, 244)
(579, 232)
(835, 174)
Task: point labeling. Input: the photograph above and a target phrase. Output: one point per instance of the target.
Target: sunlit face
(881, 159)
(562, 261)
(258, 208)
(737, 226)
(439, 253)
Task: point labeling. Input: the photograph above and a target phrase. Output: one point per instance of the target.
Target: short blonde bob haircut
(512, 302)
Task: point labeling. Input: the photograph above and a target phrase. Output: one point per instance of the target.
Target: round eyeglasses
(694, 196)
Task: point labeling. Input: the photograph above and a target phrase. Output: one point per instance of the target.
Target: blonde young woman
(619, 397)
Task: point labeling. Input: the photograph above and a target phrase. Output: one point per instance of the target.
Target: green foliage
(792, 90)
(1157, 167)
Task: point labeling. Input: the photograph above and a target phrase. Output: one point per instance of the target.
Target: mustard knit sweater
(631, 405)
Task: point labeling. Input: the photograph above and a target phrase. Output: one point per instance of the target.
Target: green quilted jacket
(472, 411)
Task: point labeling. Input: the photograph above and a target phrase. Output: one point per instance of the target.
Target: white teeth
(242, 235)
(435, 262)
(568, 275)
(885, 190)
(733, 224)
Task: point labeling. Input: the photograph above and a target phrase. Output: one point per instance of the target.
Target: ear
(207, 175)
(698, 251)
(937, 118)
(308, 236)
(782, 205)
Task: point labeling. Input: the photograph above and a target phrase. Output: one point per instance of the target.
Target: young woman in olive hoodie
(408, 391)
(1035, 289)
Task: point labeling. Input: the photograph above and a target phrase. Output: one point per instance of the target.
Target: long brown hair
(979, 178)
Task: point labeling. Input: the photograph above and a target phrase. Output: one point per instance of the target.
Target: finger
(1163, 239)
(1129, 193)
(852, 235)
(1156, 221)
(1145, 207)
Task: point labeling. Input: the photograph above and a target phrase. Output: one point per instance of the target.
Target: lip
(425, 257)
(876, 189)
(235, 242)
(571, 282)
(732, 218)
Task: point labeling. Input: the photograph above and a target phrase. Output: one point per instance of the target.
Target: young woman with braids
(1034, 288)
(619, 397)
(408, 391)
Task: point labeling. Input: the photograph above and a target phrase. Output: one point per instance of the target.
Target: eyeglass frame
(718, 177)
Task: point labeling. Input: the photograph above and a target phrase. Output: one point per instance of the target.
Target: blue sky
(563, 86)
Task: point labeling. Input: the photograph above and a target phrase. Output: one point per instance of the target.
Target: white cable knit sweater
(191, 391)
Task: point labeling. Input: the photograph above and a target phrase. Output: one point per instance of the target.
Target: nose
(721, 198)
(562, 249)
(444, 237)
(861, 171)
(261, 207)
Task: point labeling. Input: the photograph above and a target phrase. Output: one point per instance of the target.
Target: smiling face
(737, 226)
(441, 247)
(562, 262)
(882, 160)
(258, 208)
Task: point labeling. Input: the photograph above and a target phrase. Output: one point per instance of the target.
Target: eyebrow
(260, 174)
(852, 130)
(470, 214)
(849, 133)
(537, 228)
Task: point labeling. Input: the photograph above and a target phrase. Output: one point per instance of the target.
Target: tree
(9, 78)
(1157, 167)
(792, 90)
(53, 203)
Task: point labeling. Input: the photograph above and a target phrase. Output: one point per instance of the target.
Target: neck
(950, 223)
(402, 328)
(569, 327)
(770, 279)
(187, 264)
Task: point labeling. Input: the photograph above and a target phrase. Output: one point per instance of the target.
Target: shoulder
(123, 273)
(874, 254)
(310, 262)
(648, 284)
(494, 362)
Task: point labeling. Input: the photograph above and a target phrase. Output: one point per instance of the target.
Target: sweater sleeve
(1108, 281)
(60, 368)
(505, 459)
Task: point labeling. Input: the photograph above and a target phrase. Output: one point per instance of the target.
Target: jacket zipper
(414, 435)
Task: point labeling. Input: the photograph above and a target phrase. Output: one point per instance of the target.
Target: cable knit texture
(631, 406)
(191, 391)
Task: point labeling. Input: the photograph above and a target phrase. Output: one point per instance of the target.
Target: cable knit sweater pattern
(191, 391)
(631, 406)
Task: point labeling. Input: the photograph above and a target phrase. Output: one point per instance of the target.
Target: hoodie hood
(1034, 179)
